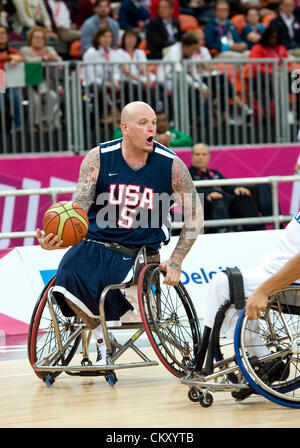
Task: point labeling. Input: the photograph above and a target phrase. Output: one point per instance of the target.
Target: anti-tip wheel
(111, 379)
(194, 394)
(49, 380)
(206, 400)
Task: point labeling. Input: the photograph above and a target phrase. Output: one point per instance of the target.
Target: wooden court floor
(147, 397)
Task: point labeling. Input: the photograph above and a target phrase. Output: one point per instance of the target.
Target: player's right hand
(256, 304)
(48, 242)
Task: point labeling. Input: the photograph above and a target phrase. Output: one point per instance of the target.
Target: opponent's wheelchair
(167, 316)
(226, 365)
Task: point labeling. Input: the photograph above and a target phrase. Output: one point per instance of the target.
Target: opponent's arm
(84, 195)
(257, 301)
(187, 197)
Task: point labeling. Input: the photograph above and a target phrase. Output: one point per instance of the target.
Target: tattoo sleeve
(187, 198)
(88, 175)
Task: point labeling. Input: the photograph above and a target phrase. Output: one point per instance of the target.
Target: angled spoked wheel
(50, 335)
(169, 318)
(276, 375)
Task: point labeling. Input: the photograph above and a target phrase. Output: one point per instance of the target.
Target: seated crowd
(135, 31)
(230, 28)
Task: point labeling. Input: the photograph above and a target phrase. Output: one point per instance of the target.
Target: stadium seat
(75, 50)
(143, 46)
(268, 18)
(61, 47)
(188, 22)
(239, 20)
(17, 44)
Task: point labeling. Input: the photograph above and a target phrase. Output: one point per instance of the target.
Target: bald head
(138, 126)
(134, 109)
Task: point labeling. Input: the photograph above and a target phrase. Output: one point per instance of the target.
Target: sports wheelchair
(226, 365)
(167, 316)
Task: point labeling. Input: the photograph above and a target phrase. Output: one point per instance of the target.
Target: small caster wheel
(49, 380)
(194, 394)
(111, 379)
(206, 400)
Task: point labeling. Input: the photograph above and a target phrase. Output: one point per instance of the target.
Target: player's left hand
(256, 304)
(172, 267)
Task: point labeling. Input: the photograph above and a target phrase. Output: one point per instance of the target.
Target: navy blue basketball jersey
(131, 207)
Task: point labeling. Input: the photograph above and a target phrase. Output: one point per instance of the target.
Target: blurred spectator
(165, 72)
(202, 10)
(134, 74)
(163, 31)
(154, 5)
(221, 36)
(246, 4)
(265, 7)
(84, 10)
(184, 49)
(3, 14)
(252, 32)
(62, 21)
(104, 77)
(132, 15)
(288, 26)
(221, 202)
(7, 53)
(31, 13)
(169, 136)
(7, 10)
(271, 5)
(99, 20)
(37, 51)
(212, 77)
(11, 55)
(269, 46)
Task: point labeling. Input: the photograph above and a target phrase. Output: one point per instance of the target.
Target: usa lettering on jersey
(131, 206)
(130, 196)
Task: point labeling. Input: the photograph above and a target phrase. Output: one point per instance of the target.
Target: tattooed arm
(86, 186)
(84, 195)
(187, 197)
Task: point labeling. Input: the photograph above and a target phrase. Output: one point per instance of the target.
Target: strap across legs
(236, 287)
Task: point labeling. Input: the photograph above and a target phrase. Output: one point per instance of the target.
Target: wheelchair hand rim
(237, 335)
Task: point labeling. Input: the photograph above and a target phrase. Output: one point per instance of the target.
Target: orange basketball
(68, 221)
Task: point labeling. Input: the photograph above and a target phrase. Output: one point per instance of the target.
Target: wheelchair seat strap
(236, 287)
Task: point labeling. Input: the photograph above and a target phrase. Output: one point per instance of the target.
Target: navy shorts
(85, 270)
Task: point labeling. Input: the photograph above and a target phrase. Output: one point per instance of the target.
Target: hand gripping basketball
(65, 223)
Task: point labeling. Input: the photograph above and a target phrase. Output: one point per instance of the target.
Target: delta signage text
(202, 277)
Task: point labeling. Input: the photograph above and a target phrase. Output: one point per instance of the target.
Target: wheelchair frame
(47, 368)
(240, 371)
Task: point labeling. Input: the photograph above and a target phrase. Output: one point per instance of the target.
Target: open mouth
(150, 140)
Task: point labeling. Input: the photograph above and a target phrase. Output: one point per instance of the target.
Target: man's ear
(124, 128)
